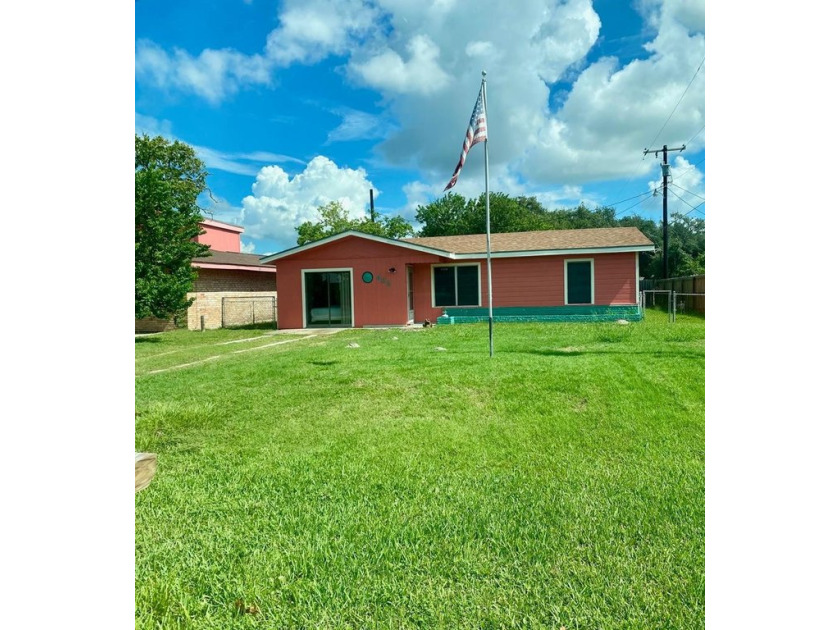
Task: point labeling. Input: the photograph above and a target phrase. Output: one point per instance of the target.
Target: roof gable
(362, 235)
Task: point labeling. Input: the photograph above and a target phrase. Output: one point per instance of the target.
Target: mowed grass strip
(178, 348)
(414, 482)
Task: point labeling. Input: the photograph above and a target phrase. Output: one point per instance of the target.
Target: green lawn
(414, 482)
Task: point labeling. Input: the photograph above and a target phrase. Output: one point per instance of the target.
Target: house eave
(370, 237)
(261, 268)
(555, 252)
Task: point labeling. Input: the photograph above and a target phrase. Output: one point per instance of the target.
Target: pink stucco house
(353, 279)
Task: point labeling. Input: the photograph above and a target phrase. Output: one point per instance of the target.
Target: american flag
(476, 132)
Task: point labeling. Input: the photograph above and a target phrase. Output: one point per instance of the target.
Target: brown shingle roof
(537, 241)
(232, 258)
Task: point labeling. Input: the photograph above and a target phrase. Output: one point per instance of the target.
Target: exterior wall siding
(539, 280)
(615, 279)
(382, 302)
(529, 282)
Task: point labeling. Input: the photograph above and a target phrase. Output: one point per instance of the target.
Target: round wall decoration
(367, 277)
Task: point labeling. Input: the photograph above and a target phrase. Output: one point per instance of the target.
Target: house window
(580, 281)
(455, 285)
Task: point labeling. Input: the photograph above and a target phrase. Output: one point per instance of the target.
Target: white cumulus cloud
(312, 29)
(280, 203)
(213, 75)
(419, 73)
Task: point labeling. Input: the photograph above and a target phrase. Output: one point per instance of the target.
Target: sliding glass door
(327, 298)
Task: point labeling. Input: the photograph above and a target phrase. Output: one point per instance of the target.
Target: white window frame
(303, 273)
(434, 292)
(566, 262)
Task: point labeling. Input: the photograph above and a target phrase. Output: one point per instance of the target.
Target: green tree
(168, 178)
(334, 218)
(445, 216)
(686, 248)
(452, 215)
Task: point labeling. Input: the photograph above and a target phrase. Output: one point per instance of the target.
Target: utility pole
(666, 170)
(372, 213)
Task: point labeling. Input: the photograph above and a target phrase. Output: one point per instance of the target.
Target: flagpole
(487, 213)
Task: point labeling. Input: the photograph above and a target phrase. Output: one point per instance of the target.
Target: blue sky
(297, 103)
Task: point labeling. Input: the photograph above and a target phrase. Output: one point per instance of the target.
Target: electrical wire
(678, 103)
(695, 135)
(615, 203)
(688, 191)
(688, 204)
(650, 196)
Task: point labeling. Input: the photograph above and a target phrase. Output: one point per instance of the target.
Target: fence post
(672, 308)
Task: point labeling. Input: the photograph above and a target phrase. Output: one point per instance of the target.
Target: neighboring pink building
(221, 237)
(354, 279)
(232, 288)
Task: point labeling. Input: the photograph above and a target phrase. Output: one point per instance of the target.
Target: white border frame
(303, 273)
(470, 264)
(591, 262)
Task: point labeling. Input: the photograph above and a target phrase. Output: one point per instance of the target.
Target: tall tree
(453, 215)
(334, 218)
(168, 178)
(686, 248)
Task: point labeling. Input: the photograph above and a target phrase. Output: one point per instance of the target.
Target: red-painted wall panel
(535, 281)
(382, 302)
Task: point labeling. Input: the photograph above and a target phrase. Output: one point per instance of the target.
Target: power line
(650, 196)
(695, 135)
(679, 101)
(688, 191)
(686, 171)
(680, 198)
(614, 203)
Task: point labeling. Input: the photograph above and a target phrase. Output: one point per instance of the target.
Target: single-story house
(353, 279)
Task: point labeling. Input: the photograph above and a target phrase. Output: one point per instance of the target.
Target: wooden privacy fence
(689, 291)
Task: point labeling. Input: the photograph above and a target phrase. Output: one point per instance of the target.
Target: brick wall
(239, 307)
(233, 280)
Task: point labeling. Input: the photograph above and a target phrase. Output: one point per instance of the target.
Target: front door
(409, 281)
(328, 299)
(579, 282)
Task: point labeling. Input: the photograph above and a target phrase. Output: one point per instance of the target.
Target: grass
(413, 482)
